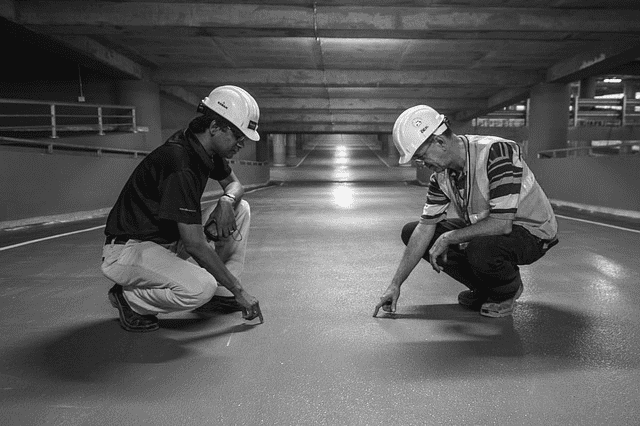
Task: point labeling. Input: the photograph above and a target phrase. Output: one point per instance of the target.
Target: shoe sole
(498, 312)
(123, 321)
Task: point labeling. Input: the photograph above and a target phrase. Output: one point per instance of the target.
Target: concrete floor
(324, 244)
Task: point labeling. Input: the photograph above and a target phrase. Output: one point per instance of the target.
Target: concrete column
(291, 146)
(382, 142)
(588, 87)
(392, 153)
(300, 139)
(630, 89)
(279, 150)
(548, 117)
(262, 148)
(145, 96)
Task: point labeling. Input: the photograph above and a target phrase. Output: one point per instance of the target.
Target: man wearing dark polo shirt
(163, 252)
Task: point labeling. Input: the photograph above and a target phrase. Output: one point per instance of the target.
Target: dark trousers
(487, 264)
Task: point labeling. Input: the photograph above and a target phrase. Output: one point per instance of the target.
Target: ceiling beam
(632, 68)
(602, 59)
(500, 100)
(359, 128)
(598, 60)
(105, 56)
(283, 104)
(329, 116)
(181, 94)
(206, 76)
(373, 19)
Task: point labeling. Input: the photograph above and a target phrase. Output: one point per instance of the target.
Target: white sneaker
(500, 309)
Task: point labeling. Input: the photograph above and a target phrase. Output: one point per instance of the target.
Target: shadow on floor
(102, 352)
(538, 338)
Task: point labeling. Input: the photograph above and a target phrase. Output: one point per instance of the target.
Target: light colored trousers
(158, 279)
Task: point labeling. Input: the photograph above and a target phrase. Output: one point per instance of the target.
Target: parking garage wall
(38, 187)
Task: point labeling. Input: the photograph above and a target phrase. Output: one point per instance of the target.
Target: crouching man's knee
(407, 230)
(243, 210)
(197, 293)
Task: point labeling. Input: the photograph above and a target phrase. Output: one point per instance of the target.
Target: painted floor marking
(600, 223)
(102, 226)
(51, 237)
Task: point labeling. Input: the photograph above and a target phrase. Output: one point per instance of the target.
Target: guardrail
(582, 112)
(604, 112)
(623, 148)
(53, 147)
(28, 116)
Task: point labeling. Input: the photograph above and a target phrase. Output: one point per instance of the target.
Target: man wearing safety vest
(502, 219)
(162, 251)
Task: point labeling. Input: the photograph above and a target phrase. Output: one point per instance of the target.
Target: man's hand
(223, 218)
(439, 248)
(250, 306)
(388, 300)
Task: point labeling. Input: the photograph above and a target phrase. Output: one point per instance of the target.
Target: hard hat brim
(252, 134)
(442, 127)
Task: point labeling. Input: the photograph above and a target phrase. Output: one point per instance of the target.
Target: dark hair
(201, 123)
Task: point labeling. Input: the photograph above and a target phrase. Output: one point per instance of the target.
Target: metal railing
(604, 112)
(19, 116)
(582, 112)
(57, 147)
(53, 147)
(622, 148)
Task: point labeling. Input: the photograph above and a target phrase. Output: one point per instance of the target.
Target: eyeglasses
(240, 137)
(420, 158)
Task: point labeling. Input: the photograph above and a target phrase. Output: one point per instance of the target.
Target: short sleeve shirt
(504, 171)
(165, 189)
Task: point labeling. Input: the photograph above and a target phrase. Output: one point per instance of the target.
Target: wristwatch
(233, 197)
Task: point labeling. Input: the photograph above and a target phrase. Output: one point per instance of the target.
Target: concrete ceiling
(348, 66)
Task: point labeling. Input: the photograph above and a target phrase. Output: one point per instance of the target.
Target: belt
(547, 244)
(116, 239)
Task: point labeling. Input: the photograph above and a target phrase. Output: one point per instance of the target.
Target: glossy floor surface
(324, 244)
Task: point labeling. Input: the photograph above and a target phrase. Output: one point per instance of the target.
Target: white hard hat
(237, 106)
(413, 127)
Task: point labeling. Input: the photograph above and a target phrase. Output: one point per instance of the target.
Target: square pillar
(548, 117)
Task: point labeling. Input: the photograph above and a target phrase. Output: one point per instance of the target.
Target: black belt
(547, 244)
(116, 239)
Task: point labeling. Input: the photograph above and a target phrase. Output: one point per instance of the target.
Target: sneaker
(472, 298)
(500, 309)
(222, 304)
(130, 320)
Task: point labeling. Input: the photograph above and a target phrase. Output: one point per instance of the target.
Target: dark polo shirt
(165, 189)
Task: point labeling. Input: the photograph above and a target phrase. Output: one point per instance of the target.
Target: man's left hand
(223, 218)
(439, 248)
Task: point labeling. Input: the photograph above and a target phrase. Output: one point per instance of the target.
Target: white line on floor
(102, 226)
(600, 223)
(50, 237)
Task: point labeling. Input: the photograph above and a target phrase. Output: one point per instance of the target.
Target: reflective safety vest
(534, 211)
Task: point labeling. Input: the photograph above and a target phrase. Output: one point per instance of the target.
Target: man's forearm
(208, 259)
(416, 248)
(235, 189)
(485, 227)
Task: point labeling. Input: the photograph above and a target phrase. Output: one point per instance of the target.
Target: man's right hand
(250, 306)
(388, 300)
